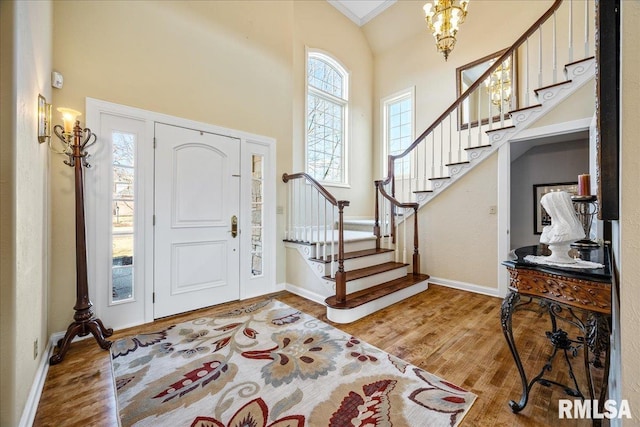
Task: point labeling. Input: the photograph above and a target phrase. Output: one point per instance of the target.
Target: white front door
(197, 182)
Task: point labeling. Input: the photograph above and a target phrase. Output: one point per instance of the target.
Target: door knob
(234, 226)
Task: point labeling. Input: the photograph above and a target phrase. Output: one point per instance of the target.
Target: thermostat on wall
(56, 79)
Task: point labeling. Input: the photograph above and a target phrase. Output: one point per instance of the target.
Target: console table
(570, 296)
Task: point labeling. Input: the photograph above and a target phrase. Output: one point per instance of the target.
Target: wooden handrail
(395, 203)
(286, 177)
(341, 276)
(507, 53)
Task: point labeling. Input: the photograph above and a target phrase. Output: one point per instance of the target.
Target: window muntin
(327, 104)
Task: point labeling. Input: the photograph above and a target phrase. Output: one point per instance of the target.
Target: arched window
(327, 103)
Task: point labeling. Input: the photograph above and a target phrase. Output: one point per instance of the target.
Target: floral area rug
(269, 365)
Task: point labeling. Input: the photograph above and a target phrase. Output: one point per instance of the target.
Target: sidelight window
(122, 218)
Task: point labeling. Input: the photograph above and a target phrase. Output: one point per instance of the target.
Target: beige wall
(232, 64)
(397, 66)
(223, 63)
(629, 267)
(25, 192)
(407, 56)
(458, 236)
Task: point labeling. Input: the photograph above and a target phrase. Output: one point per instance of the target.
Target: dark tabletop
(599, 255)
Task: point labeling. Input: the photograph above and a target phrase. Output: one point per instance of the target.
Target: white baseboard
(470, 287)
(305, 293)
(33, 399)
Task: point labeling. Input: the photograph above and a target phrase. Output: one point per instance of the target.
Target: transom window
(327, 102)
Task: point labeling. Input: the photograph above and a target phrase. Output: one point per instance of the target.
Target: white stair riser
(375, 279)
(317, 250)
(351, 315)
(361, 262)
(368, 261)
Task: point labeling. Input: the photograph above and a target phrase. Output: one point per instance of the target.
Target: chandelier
(498, 84)
(443, 18)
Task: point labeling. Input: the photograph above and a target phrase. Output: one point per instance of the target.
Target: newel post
(416, 255)
(341, 276)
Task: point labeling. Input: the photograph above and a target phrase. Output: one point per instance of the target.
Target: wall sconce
(44, 120)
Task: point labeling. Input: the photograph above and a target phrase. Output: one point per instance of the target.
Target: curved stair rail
(312, 215)
(446, 147)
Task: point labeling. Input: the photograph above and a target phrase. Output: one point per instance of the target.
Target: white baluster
(296, 219)
(479, 128)
(586, 28)
(324, 246)
(571, 30)
(441, 150)
(450, 141)
(433, 154)
(468, 127)
(526, 74)
(333, 240)
(404, 236)
(540, 58)
(555, 51)
(490, 113)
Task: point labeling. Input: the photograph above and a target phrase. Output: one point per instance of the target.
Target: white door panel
(197, 194)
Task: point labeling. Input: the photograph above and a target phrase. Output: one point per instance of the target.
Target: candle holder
(586, 208)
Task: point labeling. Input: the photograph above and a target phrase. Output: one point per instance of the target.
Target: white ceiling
(361, 11)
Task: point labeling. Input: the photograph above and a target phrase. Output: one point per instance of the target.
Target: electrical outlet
(35, 349)
(493, 210)
(279, 210)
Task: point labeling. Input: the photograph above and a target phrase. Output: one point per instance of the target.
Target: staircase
(360, 270)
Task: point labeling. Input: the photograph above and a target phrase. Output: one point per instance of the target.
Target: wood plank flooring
(453, 334)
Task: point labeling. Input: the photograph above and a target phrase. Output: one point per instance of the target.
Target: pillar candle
(584, 185)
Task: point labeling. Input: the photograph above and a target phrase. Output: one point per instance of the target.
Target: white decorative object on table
(564, 229)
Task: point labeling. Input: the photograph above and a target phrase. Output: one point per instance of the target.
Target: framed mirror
(496, 96)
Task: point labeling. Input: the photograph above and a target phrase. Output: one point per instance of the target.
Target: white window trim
(326, 56)
(384, 103)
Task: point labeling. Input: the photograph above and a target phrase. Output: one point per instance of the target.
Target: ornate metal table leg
(508, 305)
(597, 333)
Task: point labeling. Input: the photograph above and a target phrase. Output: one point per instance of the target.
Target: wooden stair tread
(478, 146)
(422, 191)
(553, 85)
(355, 254)
(498, 129)
(439, 177)
(369, 271)
(371, 294)
(457, 163)
(579, 61)
(525, 108)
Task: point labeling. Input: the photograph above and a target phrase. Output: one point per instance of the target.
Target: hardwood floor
(453, 334)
